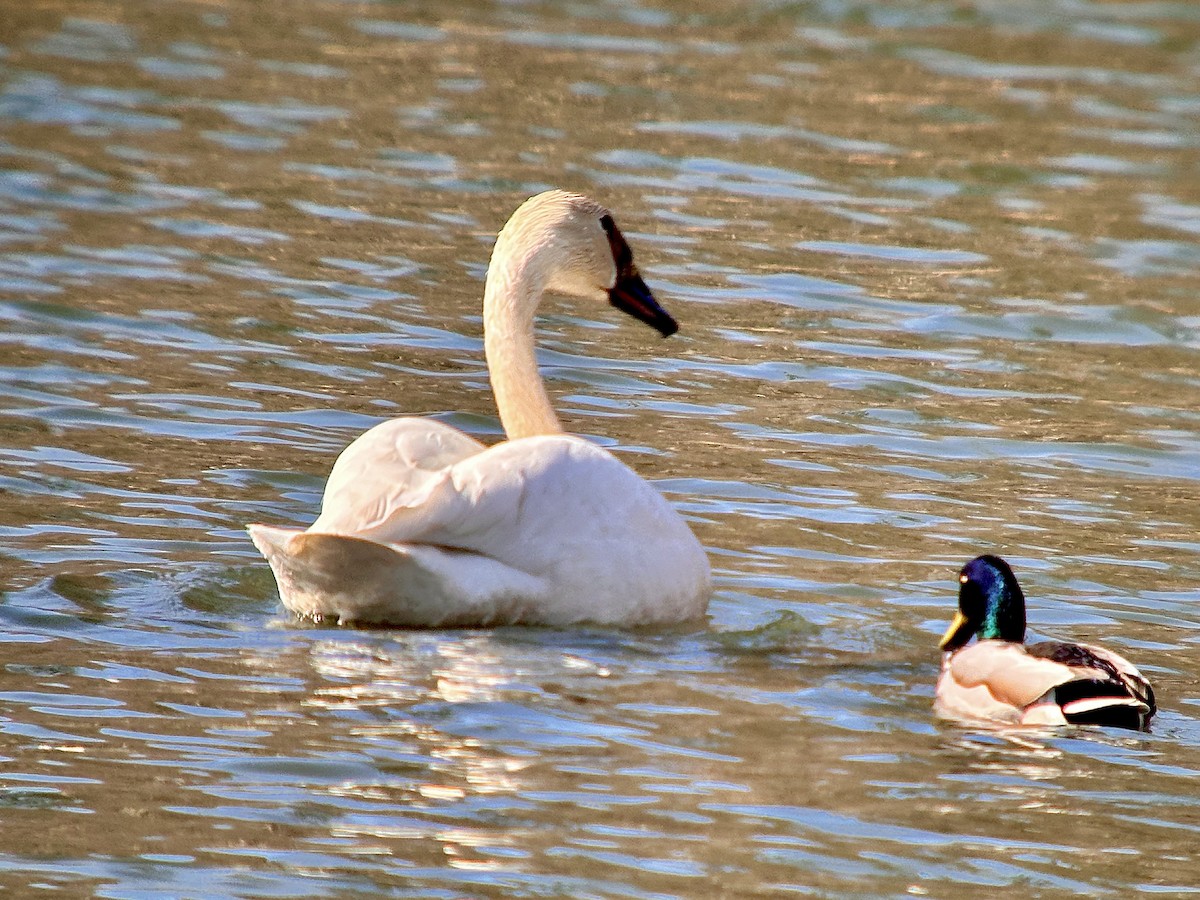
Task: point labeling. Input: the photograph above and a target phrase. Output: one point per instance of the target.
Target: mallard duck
(1000, 678)
(421, 525)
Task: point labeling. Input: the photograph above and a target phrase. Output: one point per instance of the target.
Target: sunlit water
(937, 271)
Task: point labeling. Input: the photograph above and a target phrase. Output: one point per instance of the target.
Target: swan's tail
(323, 576)
(333, 577)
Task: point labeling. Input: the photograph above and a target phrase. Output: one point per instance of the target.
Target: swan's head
(573, 247)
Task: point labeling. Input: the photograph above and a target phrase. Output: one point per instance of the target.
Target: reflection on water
(936, 271)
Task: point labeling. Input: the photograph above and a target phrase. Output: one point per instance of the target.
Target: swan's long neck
(514, 287)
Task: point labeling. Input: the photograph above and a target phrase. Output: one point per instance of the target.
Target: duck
(1000, 678)
(423, 526)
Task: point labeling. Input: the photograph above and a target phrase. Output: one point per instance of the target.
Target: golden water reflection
(935, 268)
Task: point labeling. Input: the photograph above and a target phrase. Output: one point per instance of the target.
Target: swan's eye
(622, 255)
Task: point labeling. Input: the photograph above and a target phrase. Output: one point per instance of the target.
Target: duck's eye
(963, 578)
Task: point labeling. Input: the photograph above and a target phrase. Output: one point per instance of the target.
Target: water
(936, 269)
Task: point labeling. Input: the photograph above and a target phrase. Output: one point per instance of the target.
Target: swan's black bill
(630, 295)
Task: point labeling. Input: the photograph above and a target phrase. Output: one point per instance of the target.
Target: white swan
(422, 525)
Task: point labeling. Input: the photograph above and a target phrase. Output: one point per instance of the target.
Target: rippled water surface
(937, 271)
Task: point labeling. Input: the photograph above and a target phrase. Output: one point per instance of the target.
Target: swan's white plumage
(421, 525)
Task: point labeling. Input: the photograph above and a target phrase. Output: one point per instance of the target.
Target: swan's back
(569, 512)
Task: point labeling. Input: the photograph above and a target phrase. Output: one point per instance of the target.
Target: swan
(423, 526)
(1000, 678)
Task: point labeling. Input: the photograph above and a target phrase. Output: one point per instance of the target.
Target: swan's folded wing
(384, 485)
(349, 580)
(520, 501)
(1010, 674)
(539, 500)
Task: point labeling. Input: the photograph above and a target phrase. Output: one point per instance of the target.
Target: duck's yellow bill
(959, 623)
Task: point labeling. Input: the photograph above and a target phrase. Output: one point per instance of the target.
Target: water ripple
(935, 272)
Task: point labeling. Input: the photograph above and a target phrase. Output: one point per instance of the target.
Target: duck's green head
(990, 604)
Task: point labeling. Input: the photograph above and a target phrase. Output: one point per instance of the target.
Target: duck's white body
(1000, 681)
(421, 525)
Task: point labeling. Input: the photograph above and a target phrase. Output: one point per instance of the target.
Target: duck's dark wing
(1106, 689)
